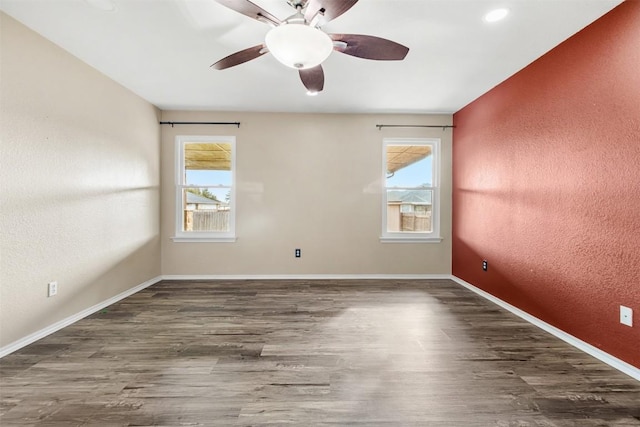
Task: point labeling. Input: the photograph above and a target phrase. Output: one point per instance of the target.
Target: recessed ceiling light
(312, 93)
(104, 5)
(496, 15)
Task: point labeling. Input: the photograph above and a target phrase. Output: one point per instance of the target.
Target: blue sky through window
(414, 175)
(211, 177)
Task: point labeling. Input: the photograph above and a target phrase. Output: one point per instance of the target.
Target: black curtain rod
(201, 123)
(415, 126)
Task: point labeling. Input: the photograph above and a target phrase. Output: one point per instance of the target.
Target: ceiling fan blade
(369, 47)
(313, 78)
(251, 10)
(240, 57)
(330, 9)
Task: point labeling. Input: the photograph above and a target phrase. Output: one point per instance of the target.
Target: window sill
(203, 239)
(410, 239)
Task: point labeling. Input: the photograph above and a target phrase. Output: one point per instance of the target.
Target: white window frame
(404, 236)
(203, 236)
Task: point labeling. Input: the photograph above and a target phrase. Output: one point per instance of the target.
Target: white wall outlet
(52, 289)
(626, 315)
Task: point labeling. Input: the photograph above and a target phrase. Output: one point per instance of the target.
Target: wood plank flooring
(309, 353)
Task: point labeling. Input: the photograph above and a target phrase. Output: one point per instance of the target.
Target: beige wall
(79, 174)
(305, 181)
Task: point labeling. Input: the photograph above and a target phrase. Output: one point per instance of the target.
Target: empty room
(320, 212)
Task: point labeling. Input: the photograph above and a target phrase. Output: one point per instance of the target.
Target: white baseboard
(307, 277)
(610, 360)
(16, 345)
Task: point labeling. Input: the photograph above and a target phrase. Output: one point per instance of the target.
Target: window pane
(207, 163)
(409, 210)
(206, 209)
(409, 166)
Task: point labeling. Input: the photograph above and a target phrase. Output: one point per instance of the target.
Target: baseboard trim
(16, 345)
(192, 277)
(605, 357)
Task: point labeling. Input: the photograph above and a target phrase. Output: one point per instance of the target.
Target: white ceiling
(162, 50)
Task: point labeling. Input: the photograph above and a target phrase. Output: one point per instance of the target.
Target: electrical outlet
(626, 315)
(52, 289)
(485, 265)
(298, 253)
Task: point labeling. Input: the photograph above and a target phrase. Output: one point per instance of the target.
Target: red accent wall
(546, 176)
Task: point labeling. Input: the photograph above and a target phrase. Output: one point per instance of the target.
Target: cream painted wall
(79, 174)
(305, 181)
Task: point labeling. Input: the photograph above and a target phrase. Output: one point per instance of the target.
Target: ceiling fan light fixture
(496, 15)
(299, 46)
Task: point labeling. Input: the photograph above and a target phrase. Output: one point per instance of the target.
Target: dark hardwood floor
(251, 353)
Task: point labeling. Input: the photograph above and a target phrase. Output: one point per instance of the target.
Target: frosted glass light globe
(299, 46)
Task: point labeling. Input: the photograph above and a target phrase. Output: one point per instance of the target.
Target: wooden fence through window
(207, 221)
(413, 222)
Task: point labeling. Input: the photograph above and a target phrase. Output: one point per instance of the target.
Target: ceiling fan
(299, 42)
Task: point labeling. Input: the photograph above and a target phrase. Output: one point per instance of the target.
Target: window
(205, 188)
(411, 194)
